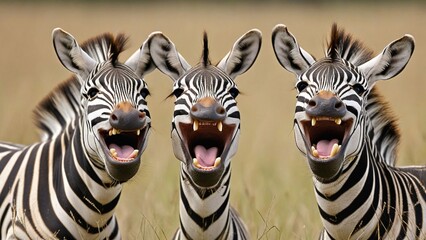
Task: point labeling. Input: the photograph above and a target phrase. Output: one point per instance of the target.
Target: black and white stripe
(205, 133)
(359, 191)
(67, 185)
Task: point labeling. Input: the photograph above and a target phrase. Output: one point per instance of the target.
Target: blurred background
(271, 183)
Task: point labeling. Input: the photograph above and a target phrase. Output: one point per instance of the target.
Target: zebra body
(344, 128)
(205, 133)
(67, 185)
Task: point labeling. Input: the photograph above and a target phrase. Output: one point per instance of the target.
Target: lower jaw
(325, 170)
(206, 178)
(123, 171)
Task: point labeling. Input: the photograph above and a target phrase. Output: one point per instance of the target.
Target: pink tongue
(123, 151)
(205, 157)
(324, 147)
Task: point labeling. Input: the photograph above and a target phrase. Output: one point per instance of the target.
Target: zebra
(349, 137)
(205, 133)
(94, 128)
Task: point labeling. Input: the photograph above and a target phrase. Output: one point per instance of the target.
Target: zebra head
(332, 94)
(206, 121)
(115, 119)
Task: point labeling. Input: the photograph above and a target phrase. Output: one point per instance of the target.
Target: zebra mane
(343, 46)
(105, 47)
(58, 109)
(205, 58)
(382, 126)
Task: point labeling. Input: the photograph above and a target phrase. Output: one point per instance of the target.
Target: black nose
(208, 109)
(326, 104)
(126, 117)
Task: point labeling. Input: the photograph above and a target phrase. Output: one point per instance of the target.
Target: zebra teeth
(338, 121)
(219, 126)
(113, 131)
(334, 150)
(314, 152)
(196, 163)
(134, 153)
(313, 121)
(195, 125)
(217, 162)
(138, 132)
(113, 152)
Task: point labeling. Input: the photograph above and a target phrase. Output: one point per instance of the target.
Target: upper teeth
(314, 120)
(197, 123)
(114, 131)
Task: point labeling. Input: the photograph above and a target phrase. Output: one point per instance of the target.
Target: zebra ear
(71, 55)
(165, 56)
(243, 54)
(287, 50)
(141, 61)
(390, 62)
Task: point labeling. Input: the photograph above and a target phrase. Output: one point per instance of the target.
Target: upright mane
(342, 45)
(205, 58)
(105, 47)
(62, 105)
(382, 126)
(58, 109)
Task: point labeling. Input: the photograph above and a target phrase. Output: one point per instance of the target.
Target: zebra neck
(91, 184)
(336, 203)
(66, 188)
(204, 212)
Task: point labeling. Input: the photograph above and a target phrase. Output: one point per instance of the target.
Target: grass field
(271, 183)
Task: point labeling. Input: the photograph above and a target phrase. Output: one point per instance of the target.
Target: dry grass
(271, 185)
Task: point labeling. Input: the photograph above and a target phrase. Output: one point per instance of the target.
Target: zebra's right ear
(71, 55)
(165, 56)
(287, 50)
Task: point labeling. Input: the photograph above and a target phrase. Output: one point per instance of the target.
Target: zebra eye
(358, 88)
(301, 86)
(234, 92)
(145, 92)
(92, 93)
(177, 92)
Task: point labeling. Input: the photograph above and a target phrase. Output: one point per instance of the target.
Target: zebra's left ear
(243, 54)
(390, 62)
(71, 55)
(141, 61)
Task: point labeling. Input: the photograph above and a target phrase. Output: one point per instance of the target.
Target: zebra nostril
(114, 117)
(312, 103)
(338, 104)
(194, 108)
(220, 110)
(142, 115)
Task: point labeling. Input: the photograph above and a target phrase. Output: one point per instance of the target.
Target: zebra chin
(123, 151)
(326, 169)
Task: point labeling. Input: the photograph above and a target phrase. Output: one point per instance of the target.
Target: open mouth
(325, 136)
(207, 142)
(123, 145)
